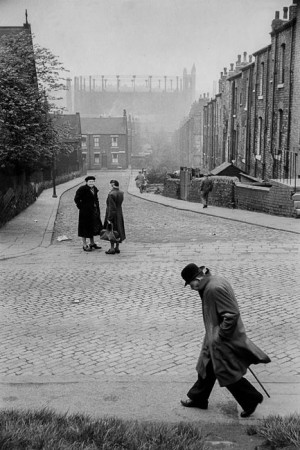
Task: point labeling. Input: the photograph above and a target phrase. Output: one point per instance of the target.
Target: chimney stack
(245, 57)
(231, 67)
(276, 15)
(250, 58)
(285, 13)
(225, 71)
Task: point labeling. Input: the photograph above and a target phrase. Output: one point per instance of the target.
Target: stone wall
(276, 200)
(172, 188)
(228, 192)
(17, 193)
(221, 195)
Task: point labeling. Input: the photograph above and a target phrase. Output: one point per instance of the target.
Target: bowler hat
(190, 272)
(90, 177)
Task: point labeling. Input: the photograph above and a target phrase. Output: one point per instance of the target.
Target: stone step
(297, 204)
(296, 197)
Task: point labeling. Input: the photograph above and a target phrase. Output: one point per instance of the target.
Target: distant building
(189, 136)
(105, 142)
(254, 120)
(159, 101)
(69, 126)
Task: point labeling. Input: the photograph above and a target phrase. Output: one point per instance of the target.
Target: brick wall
(228, 192)
(221, 195)
(276, 200)
(172, 188)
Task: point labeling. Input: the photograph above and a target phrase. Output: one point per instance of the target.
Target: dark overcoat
(225, 343)
(206, 185)
(114, 212)
(89, 223)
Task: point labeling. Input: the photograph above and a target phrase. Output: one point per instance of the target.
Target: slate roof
(12, 30)
(103, 125)
(72, 121)
(220, 168)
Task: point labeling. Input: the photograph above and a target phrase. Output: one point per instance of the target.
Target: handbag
(109, 234)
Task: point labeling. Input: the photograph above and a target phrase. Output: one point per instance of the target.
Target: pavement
(134, 396)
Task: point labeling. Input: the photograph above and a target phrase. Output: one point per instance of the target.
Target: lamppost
(54, 174)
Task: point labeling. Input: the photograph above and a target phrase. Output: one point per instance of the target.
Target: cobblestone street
(66, 312)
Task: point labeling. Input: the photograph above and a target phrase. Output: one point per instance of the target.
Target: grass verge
(44, 429)
(279, 431)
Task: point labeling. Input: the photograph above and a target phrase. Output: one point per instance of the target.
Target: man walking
(226, 351)
(205, 188)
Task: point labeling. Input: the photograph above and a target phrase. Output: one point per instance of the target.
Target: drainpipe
(266, 116)
(273, 100)
(255, 118)
(290, 96)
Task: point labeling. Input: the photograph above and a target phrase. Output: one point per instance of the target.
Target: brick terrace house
(105, 142)
(70, 126)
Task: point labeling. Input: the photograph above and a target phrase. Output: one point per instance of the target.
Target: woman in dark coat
(89, 224)
(114, 215)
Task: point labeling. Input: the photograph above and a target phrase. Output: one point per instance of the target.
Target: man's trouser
(243, 391)
(204, 197)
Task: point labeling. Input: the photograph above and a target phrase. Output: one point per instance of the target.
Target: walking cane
(258, 381)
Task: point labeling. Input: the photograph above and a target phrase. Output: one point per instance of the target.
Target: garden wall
(228, 192)
(276, 200)
(18, 192)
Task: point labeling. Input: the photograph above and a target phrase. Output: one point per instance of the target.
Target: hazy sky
(147, 37)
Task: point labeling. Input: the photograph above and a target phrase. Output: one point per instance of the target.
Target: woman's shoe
(110, 252)
(87, 248)
(117, 250)
(97, 247)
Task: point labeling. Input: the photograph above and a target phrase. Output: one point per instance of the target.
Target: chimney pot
(221, 74)
(231, 66)
(225, 70)
(250, 58)
(276, 14)
(285, 12)
(239, 58)
(245, 56)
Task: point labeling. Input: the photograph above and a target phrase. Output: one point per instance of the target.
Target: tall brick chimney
(277, 22)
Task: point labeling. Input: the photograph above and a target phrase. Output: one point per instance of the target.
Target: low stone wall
(221, 195)
(276, 200)
(17, 193)
(228, 192)
(172, 188)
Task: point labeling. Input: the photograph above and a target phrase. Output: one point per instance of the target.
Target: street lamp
(54, 175)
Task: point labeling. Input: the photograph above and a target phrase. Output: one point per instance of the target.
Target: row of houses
(253, 121)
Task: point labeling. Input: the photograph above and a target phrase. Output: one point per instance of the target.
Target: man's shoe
(87, 248)
(192, 404)
(110, 252)
(250, 411)
(117, 250)
(205, 206)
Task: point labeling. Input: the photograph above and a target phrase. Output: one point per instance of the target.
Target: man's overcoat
(89, 222)
(114, 212)
(225, 343)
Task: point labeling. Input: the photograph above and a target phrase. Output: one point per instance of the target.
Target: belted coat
(225, 342)
(114, 212)
(89, 222)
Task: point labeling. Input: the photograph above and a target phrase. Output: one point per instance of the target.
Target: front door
(104, 161)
